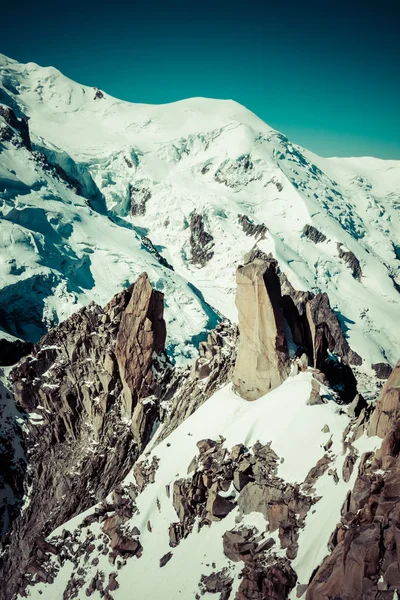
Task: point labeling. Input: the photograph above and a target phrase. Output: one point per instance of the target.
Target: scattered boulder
(315, 394)
(217, 583)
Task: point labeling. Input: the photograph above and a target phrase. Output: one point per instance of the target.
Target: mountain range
(197, 320)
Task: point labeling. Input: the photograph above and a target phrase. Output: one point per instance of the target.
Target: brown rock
(262, 361)
(315, 394)
(142, 332)
(387, 410)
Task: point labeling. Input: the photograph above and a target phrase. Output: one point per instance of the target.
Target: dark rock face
(316, 330)
(351, 260)
(201, 242)
(139, 196)
(252, 229)
(382, 370)
(81, 385)
(313, 234)
(364, 564)
(261, 580)
(237, 173)
(148, 244)
(59, 173)
(11, 351)
(13, 463)
(19, 125)
(98, 94)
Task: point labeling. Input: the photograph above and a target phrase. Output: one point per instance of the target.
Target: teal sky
(324, 73)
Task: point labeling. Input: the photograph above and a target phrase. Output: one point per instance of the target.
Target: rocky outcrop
(313, 234)
(222, 480)
(139, 195)
(201, 242)
(217, 583)
(13, 463)
(262, 362)
(141, 334)
(315, 331)
(387, 409)
(382, 370)
(261, 580)
(190, 388)
(83, 383)
(252, 229)
(98, 95)
(20, 126)
(364, 563)
(239, 172)
(148, 244)
(351, 260)
(266, 300)
(11, 351)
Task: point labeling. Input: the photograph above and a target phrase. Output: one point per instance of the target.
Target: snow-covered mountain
(125, 474)
(193, 177)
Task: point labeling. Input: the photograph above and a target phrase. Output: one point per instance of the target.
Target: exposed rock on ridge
(190, 388)
(364, 564)
(83, 383)
(201, 242)
(141, 333)
(387, 410)
(262, 362)
(266, 301)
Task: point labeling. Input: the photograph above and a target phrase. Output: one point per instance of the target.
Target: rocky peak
(141, 336)
(262, 361)
(89, 393)
(277, 322)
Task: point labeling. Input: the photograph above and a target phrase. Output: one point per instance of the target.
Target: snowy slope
(297, 433)
(214, 158)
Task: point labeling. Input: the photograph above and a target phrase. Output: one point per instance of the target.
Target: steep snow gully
(197, 320)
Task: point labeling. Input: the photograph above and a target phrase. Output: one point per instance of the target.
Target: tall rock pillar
(262, 362)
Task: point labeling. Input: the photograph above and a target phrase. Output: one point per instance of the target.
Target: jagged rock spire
(263, 361)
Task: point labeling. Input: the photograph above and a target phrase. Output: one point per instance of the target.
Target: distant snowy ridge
(174, 185)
